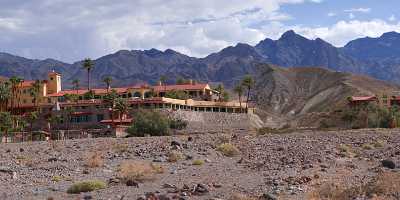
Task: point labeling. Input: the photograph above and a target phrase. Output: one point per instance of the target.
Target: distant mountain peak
(390, 34)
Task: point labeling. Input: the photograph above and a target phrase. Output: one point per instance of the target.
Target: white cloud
(331, 14)
(362, 10)
(351, 16)
(344, 31)
(392, 18)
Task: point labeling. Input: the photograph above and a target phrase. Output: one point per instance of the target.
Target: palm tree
(75, 85)
(35, 93)
(121, 106)
(239, 91)
(5, 95)
(107, 80)
(110, 100)
(15, 83)
(163, 80)
(88, 65)
(248, 83)
(31, 118)
(220, 89)
(5, 123)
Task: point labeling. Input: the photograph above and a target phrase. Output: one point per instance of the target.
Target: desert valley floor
(278, 166)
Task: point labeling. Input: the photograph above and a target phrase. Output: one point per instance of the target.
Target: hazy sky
(70, 30)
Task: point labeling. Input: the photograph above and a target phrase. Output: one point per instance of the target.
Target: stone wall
(217, 122)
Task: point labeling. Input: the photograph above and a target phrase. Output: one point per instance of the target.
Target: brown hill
(294, 93)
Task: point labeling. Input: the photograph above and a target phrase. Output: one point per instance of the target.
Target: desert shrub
(138, 171)
(94, 159)
(379, 144)
(120, 148)
(345, 150)
(177, 124)
(56, 178)
(384, 185)
(238, 196)
(198, 162)
(228, 149)
(174, 156)
(367, 146)
(86, 186)
(149, 122)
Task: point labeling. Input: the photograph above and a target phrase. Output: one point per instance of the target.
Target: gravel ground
(285, 166)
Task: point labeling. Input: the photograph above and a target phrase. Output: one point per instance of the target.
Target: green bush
(228, 149)
(86, 186)
(177, 94)
(149, 122)
(177, 124)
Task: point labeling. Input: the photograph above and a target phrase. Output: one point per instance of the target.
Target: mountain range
(375, 57)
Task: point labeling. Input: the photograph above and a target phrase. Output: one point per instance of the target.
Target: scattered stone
(21, 149)
(132, 183)
(269, 196)
(200, 189)
(388, 164)
(6, 170)
(53, 159)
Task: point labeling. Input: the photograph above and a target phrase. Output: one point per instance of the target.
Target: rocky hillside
(293, 92)
(376, 57)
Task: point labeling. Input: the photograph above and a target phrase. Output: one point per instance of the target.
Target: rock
(87, 197)
(14, 176)
(200, 189)
(132, 183)
(269, 196)
(163, 197)
(388, 164)
(54, 159)
(190, 139)
(113, 181)
(6, 170)
(175, 143)
(21, 149)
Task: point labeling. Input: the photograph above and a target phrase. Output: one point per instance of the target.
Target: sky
(70, 30)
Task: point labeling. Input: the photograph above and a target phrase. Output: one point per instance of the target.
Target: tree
(220, 89)
(248, 83)
(88, 65)
(149, 122)
(35, 94)
(52, 121)
(109, 99)
(163, 80)
(75, 85)
(31, 118)
(239, 91)
(177, 94)
(107, 80)
(89, 95)
(15, 83)
(121, 106)
(5, 123)
(5, 95)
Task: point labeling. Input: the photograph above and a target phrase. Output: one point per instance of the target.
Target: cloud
(344, 31)
(74, 29)
(392, 18)
(331, 14)
(351, 16)
(361, 10)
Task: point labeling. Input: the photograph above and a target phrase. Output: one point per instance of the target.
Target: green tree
(121, 106)
(149, 122)
(75, 85)
(89, 95)
(35, 93)
(163, 81)
(220, 89)
(5, 95)
(107, 80)
(31, 119)
(5, 123)
(248, 83)
(109, 99)
(15, 85)
(88, 65)
(239, 91)
(177, 94)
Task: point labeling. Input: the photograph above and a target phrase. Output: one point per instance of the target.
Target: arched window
(137, 94)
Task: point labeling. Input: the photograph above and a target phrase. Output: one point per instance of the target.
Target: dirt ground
(284, 166)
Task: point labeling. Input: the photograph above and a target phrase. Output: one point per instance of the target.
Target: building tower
(54, 82)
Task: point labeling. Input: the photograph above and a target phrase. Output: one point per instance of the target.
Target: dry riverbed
(301, 165)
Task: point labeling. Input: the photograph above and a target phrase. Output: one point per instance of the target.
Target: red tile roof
(96, 91)
(197, 86)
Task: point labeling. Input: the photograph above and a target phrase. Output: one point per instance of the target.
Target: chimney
(160, 83)
(191, 81)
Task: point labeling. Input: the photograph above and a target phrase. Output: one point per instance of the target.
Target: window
(51, 78)
(100, 117)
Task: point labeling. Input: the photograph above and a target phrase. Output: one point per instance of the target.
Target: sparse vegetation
(345, 150)
(86, 186)
(139, 171)
(367, 146)
(56, 178)
(198, 162)
(228, 149)
(174, 156)
(385, 185)
(120, 148)
(239, 196)
(94, 159)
